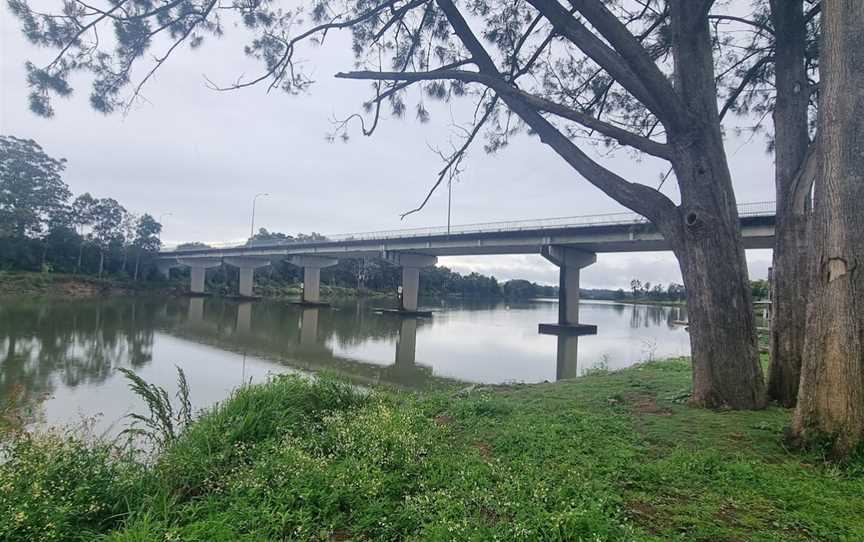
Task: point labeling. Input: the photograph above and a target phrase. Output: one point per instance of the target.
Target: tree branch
(640, 198)
(634, 54)
(504, 89)
(608, 59)
(745, 82)
(452, 162)
(742, 20)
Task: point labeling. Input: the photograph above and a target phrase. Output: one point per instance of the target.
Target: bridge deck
(619, 232)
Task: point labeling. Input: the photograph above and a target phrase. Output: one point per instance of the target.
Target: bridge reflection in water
(303, 337)
(64, 354)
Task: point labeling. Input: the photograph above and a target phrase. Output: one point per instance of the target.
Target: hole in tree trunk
(691, 219)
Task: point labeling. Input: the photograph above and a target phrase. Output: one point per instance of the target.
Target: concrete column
(311, 284)
(198, 271)
(568, 295)
(567, 358)
(197, 274)
(410, 288)
(247, 278)
(247, 266)
(312, 275)
(570, 261)
(411, 264)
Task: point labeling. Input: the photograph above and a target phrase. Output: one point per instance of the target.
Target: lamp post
(255, 200)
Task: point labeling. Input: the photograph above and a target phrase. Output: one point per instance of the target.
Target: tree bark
(708, 242)
(831, 396)
(101, 261)
(789, 286)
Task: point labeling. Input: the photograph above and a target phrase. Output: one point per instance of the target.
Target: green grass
(28, 284)
(611, 456)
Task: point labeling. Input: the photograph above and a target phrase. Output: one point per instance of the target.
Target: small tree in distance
(31, 188)
(146, 240)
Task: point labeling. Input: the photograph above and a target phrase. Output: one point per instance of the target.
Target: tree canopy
(32, 191)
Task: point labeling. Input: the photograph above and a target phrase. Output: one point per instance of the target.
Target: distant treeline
(374, 274)
(672, 292)
(43, 229)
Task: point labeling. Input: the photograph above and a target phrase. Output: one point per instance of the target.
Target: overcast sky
(201, 155)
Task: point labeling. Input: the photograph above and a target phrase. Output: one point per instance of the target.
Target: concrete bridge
(571, 243)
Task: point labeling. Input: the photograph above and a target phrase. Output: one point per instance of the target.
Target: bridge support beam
(411, 264)
(247, 266)
(570, 261)
(198, 271)
(312, 276)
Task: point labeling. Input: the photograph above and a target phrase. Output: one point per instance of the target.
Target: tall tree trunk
(137, 262)
(709, 248)
(101, 261)
(707, 239)
(80, 257)
(831, 396)
(789, 286)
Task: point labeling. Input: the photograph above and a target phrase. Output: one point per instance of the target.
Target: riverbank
(610, 456)
(28, 284)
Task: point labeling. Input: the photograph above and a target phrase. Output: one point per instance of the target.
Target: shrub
(56, 487)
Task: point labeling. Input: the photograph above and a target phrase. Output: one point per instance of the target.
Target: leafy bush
(55, 487)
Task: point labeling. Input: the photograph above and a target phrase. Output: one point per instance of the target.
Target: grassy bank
(28, 284)
(611, 456)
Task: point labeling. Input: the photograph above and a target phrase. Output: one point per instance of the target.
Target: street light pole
(254, 200)
(449, 201)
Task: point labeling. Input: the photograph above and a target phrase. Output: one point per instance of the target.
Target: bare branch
(634, 54)
(642, 199)
(755, 24)
(751, 74)
(608, 59)
(505, 90)
(452, 162)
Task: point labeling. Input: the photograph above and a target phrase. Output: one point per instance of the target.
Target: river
(60, 357)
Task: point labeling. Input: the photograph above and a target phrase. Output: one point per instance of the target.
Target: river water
(61, 357)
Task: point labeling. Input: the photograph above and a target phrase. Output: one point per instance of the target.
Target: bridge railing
(762, 208)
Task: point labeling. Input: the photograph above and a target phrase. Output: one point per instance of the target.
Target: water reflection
(71, 344)
(71, 350)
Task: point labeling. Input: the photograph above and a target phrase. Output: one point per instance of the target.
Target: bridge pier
(567, 357)
(312, 276)
(247, 266)
(411, 264)
(570, 261)
(198, 271)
